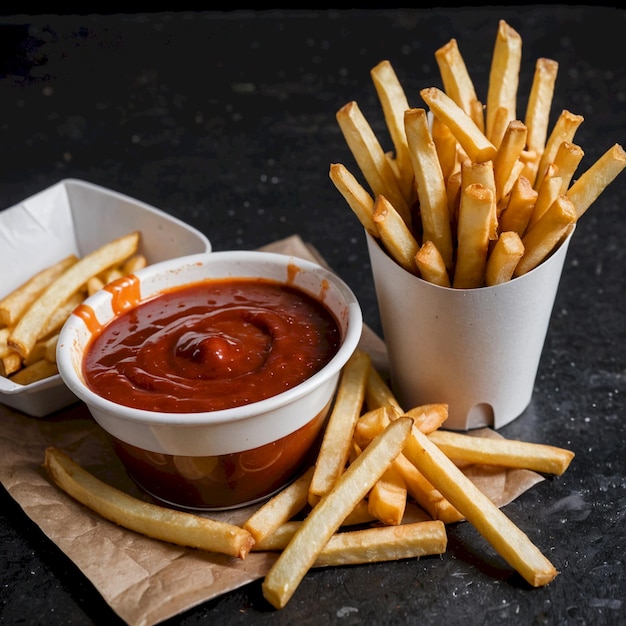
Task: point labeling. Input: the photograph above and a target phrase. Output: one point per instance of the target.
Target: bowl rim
(349, 343)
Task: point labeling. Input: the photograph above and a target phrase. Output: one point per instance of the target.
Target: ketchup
(212, 345)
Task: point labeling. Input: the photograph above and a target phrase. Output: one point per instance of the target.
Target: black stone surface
(227, 120)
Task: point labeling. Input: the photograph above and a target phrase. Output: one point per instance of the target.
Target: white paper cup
(477, 350)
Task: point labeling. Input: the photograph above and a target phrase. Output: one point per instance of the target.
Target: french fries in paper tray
(57, 247)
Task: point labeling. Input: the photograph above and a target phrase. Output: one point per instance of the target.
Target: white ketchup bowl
(223, 458)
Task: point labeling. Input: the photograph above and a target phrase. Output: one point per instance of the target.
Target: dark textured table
(227, 120)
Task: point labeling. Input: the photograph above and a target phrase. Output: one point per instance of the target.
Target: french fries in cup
(466, 283)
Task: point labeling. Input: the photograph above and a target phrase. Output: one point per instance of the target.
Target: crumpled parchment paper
(146, 581)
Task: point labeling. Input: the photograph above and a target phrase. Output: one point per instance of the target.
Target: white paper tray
(76, 217)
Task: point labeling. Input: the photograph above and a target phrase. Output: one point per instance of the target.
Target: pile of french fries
(32, 315)
(385, 485)
(470, 195)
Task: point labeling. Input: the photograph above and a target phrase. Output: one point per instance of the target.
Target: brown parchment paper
(143, 580)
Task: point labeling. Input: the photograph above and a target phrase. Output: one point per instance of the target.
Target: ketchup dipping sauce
(212, 382)
(211, 346)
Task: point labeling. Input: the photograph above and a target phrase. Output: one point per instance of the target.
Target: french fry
(395, 235)
(457, 82)
(431, 265)
(506, 538)
(519, 208)
(50, 348)
(372, 423)
(473, 141)
(359, 515)
(326, 517)
(95, 283)
(10, 363)
(335, 446)
(540, 103)
(173, 526)
(425, 494)
(431, 188)
(280, 508)
(481, 174)
(530, 162)
(516, 172)
(134, 263)
(508, 155)
(358, 199)
(475, 218)
(38, 352)
(387, 498)
(13, 305)
(377, 392)
(547, 193)
(30, 325)
(111, 274)
(504, 75)
(278, 539)
(446, 146)
(503, 452)
(34, 372)
(371, 545)
(394, 103)
(564, 129)
(4, 346)
(428, 417)
(501, 121)
(453, 191)
(60, 315)
(585, 191)
(566, 161)
(370, 157)
(375, 545)
(503, 258)
(545, 235)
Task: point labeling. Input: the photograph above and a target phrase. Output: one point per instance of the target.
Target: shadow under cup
(477, 350)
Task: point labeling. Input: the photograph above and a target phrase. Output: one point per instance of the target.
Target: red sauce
(212, 345)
